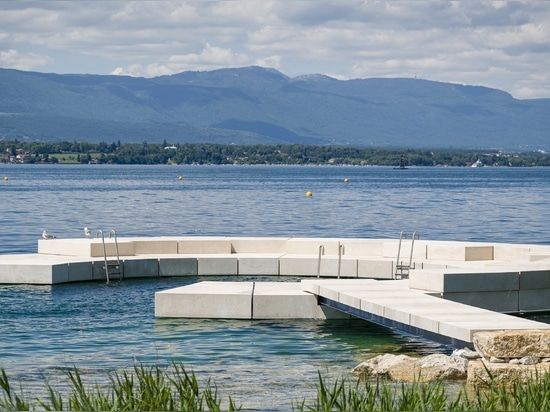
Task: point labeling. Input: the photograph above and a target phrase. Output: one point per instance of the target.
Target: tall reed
(380, 395)
(173, 388)
(140, 389)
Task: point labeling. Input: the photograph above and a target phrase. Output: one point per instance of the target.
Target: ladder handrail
(341, 251)
(321, 252)
(112, 234)
(400, 267)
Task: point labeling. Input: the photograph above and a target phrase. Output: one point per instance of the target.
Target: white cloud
(501, 44)
(28, 61)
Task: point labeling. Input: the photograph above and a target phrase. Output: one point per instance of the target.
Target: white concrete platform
(392, 303)
(241, 300)
(389, 303)
(454, 290)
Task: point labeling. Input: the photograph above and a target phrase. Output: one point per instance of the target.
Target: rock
(503, 373)
(529, 360)
(379, 365)
(466, 354)
(492, 359)
(408, 369)
(509, 344)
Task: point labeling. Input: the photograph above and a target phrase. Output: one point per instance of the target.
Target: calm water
(263, 365)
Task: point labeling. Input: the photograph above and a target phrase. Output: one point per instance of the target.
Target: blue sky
(500, 44)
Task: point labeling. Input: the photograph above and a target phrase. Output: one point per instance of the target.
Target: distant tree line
(221, 154)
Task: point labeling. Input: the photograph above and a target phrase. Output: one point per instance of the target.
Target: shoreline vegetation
(15, 151)
(173, 388)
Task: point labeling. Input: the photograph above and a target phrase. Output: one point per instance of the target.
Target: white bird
(47, 235)
(87, 232)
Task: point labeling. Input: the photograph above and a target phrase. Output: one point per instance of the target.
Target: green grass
(140, 389)
(72, 158)
(381, 395)
(174, 389)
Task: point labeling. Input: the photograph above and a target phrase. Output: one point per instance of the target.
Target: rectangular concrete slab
(310, 246)
(262, 245)
(534, 279)
(496, 301)
(258, 264)
(80, 272)
(196, 246)
(141, 267)
(298, 265)
(217, 265)
(534, 300)
(155, 246)
(178, 266)
(284, 300)
(375, 268)
(217, 300)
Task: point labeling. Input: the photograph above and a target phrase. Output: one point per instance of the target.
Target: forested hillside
(255, 105)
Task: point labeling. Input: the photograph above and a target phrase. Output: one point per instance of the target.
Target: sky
(498, 44)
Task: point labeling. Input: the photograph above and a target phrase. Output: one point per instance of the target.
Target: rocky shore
(498, 357)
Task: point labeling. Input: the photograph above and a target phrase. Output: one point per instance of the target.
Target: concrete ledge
(534, 300)
(178, 266)
(455, 280)
(259, 245)
(80, 272)
(362, 247)
(298, 265)
(217, 300)
(156, 247)
(458, 251)
(285, 300)
(217, 265)
(84, 247)
(534, 279)
(197, 246)
(391, 247)
(140, 267)
(259, 264)
(310, 246)
(375, 268)
(503, 301)
(242, 300)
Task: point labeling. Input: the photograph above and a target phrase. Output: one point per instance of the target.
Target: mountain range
(254, 105)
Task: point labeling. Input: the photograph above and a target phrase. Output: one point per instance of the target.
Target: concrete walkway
(388, 303)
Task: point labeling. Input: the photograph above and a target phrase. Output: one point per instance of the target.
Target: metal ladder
(401, 269)
(341, 251)
(112, 267)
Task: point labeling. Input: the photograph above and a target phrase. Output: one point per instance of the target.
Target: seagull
(47, 235)
(87, 232)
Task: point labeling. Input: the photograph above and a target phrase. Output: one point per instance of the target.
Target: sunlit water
(263, 365)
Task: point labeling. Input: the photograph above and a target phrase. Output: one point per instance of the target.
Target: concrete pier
(452, 290)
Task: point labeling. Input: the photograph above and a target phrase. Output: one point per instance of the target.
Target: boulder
(508, 344)
(405, 368)
(380, 365)
(482, 372)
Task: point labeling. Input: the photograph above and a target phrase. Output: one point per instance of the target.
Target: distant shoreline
(290, 154)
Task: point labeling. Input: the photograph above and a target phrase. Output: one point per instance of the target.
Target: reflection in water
(101, 328)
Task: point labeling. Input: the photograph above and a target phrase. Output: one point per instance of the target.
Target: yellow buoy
(309, 194)
(180, 178)
(346, 180)
(6, 178)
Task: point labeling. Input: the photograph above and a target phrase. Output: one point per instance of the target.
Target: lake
(263, 365)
